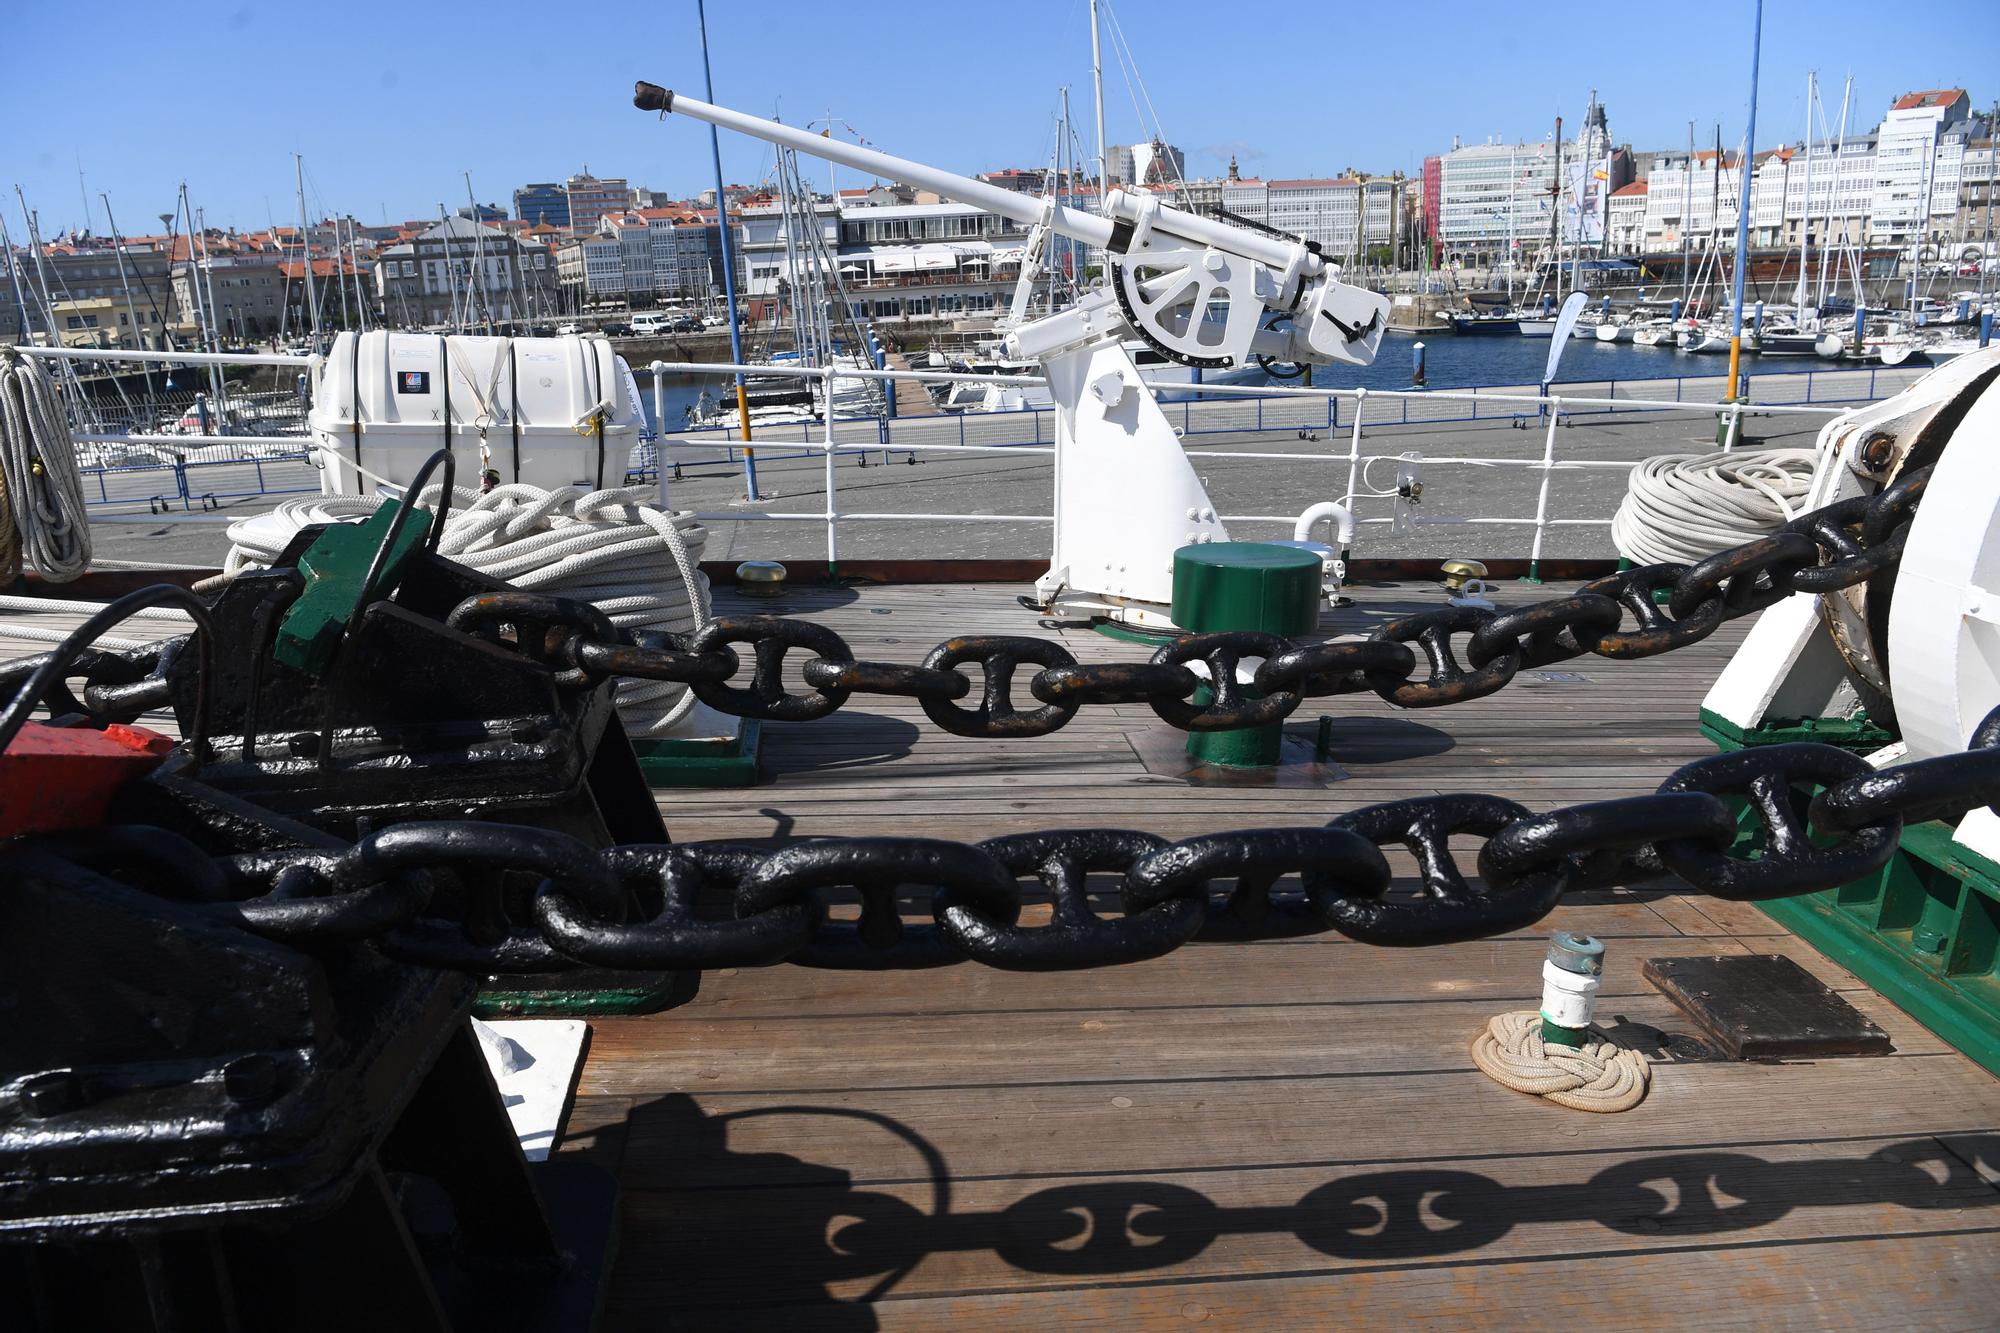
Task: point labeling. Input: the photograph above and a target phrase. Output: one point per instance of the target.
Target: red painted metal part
(64, 777)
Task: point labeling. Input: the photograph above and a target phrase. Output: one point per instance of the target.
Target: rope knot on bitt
(1557, 1054)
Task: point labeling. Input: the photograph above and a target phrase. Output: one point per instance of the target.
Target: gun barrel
(1024, 209)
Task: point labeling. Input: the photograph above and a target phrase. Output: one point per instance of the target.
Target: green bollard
(1236, 586)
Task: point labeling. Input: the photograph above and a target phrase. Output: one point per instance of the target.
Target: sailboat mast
(14, 277)
(198, 224)
(479, 254)
(1097, 87)
(1555, 210)
(1833, 194)
(1687, 227)
(305, 245)
(1513, 193)
(1805, 209)
(1743, 210)
(1992, 151)
(1920, 224)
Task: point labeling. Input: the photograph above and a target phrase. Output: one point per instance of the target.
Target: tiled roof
(1636, 187)
(1934, 97)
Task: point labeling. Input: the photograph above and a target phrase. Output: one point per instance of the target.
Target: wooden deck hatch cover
(1763, 1006)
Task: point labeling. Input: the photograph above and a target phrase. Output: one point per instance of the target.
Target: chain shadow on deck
(769, 1230)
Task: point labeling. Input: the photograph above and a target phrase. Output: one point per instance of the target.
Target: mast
(1743, 208)
(1805, 211)
(1992, 151)
(305, 246)
(1920, 225)
(1583, 197)
(125, 284)
(205, 277)
(479, 255)
(1833, 199)
(450, 281)
(1097, 85)
(1555, 209)
(68, 372)
(354, 271)
(1687, 225)
(14, 277)
(728, 264)
(791, 260)
(346, 319)
(1513, 195)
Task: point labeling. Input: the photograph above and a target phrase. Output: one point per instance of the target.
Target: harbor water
(1450, 362)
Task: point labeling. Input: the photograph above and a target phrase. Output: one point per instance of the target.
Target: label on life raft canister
(413, 381)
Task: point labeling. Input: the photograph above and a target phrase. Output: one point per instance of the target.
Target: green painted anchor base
(702, 762)
(623, 993)
(1923, 931)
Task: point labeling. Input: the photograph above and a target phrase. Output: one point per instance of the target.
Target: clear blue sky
(390, 102)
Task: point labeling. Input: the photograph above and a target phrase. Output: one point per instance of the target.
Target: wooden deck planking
(1236, 1081)
(1228, 1102)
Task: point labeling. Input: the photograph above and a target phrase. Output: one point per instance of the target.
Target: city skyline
(397, 141)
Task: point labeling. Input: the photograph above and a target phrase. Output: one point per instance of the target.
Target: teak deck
(1282, 1135)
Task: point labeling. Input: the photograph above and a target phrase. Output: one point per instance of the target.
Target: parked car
(567, 328)
(615, 329)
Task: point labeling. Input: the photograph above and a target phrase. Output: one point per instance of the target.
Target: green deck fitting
(334, 567)
(1922, 931)
(1244, 586)
(701, 763)
(1855, 733)
(664, 990)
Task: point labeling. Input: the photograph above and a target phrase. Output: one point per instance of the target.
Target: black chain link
(496, 898)
(1412, 662)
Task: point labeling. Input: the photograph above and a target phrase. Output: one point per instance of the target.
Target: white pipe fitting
(1342, 516)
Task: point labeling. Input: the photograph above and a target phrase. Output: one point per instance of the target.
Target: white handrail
(178, 358)
(1551, 407)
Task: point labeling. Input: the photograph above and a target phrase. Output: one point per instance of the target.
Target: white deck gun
(1205, 293)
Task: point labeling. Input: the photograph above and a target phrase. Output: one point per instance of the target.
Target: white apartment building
(1695, 202)
(1916, 145)
(1625, 219)
(455, 266)
(1325, 210)
(591, 270)
(1492, 193)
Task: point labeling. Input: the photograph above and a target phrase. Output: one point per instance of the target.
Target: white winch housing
(550, 412)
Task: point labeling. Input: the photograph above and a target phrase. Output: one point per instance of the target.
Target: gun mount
(1204, 292)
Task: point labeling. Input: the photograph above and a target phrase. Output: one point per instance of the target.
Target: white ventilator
(1931, 665)
(1203, 292)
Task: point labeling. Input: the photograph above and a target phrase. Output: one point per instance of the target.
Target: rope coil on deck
(637, 564)
(1600, 1076)
(42, 519)
(1683, 508)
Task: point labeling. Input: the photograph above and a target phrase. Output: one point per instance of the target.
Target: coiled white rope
(43, 488)
(637, 564)
(1684, 507)
(1598, 1076)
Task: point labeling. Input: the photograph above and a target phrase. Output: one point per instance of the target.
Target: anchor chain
(1412, 662)
(496, 898)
